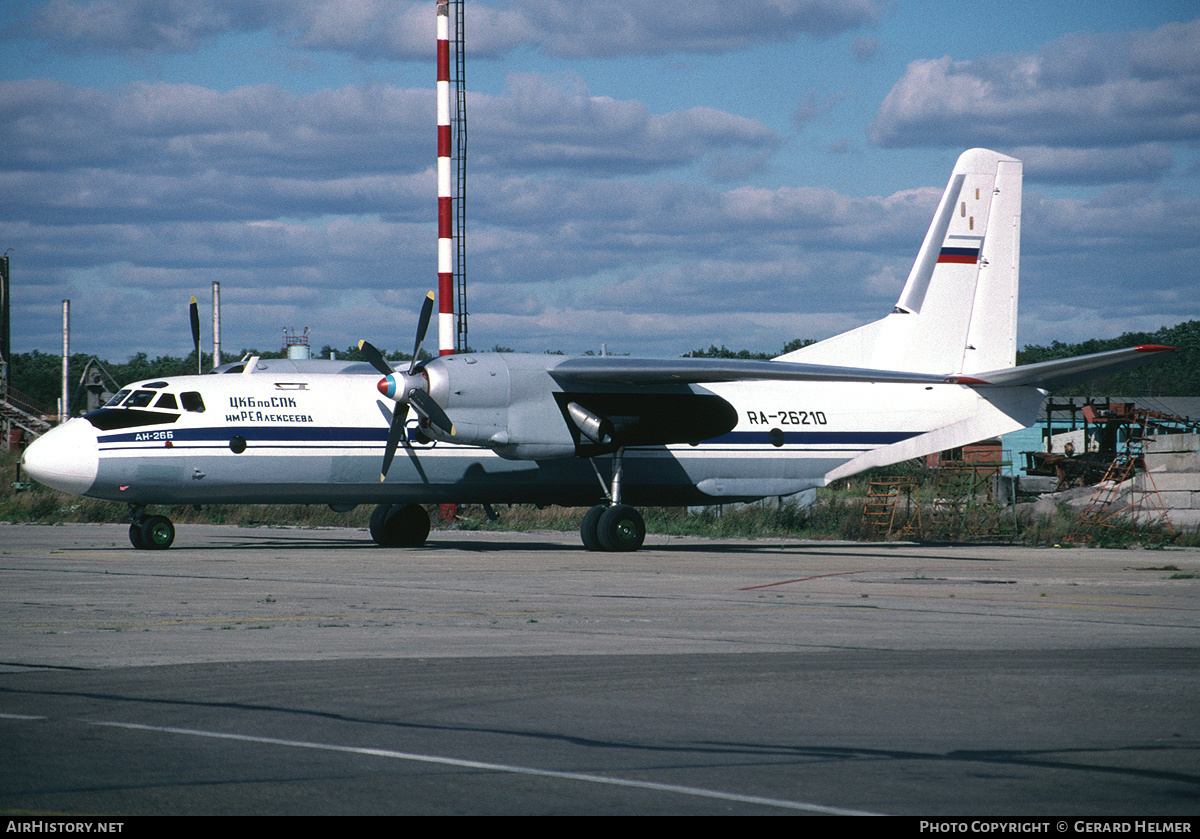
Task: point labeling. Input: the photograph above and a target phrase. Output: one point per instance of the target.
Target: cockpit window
(192, 401)
(107, 419)
(140, 399)
(127, 408)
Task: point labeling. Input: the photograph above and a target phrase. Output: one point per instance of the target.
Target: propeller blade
(375, 357)
(422, 328)
(395, 435)
(431, 411)
(419, 400)
(195, 312)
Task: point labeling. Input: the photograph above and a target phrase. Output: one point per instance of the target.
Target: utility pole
(216, 358)
(452, 179)
(64, 402)
(5, 343)
(458, 81)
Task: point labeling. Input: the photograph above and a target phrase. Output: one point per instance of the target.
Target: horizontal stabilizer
(1000, 411)
(648, 371)
(1050, 375)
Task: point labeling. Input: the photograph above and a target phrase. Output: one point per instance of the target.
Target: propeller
(195, 309)
(407, 389)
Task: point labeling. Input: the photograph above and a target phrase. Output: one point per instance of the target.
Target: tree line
(1175, 374)
(38, 375)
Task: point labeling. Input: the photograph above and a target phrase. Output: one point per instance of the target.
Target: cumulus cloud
(542, 124)
(1140, 162)
(814, 106)
(134, 192)
(152, 153)
(374, 29)
(144, 25)
(578, 28)
(314, 206)
(865, 48)
(181, 128)
(1081, 91)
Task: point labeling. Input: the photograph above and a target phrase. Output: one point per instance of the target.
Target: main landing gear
(149, 532)
(613, 526)
(399, 525)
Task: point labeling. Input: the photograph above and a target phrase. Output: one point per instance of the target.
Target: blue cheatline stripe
(335, 435)
(302, 433)
(856, 438)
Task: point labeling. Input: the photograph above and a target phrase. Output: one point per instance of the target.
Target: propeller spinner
(407, 389)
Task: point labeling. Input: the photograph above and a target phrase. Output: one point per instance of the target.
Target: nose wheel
(150, 532)
(399, 525)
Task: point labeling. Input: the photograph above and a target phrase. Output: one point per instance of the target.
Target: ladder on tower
(1145, 507)
(458, 83)
(879, 513)
(21, 411)
(968, 501)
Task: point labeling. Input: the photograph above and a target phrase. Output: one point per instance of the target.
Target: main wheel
(621, 528)
(400, 525)
(157, 533)
(135, 536)
(589, 530)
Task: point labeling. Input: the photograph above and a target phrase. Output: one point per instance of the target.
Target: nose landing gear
(399, 525)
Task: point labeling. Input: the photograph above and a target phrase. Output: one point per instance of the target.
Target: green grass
(836, 514)
(831, 518)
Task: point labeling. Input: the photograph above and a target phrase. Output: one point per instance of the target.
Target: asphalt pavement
(292, 672)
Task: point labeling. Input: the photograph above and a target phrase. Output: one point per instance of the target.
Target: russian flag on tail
(962, 256)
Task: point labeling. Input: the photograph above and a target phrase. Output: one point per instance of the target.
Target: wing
(646, 401)
(619, 370)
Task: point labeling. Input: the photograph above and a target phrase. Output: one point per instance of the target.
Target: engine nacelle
(513, 404)
(501, 401)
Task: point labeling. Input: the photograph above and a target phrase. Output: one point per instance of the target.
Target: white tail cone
(65, 458)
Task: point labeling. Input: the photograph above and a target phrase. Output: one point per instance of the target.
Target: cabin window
(192, 401)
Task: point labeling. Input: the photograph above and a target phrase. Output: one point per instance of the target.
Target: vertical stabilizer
(957, 312)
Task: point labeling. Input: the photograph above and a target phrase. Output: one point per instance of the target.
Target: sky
(650, 178)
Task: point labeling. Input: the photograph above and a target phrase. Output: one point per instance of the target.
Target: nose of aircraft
(65, 458)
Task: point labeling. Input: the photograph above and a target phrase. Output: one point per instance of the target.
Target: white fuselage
(319, 438)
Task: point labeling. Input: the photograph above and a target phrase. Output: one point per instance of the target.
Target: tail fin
(958, 311)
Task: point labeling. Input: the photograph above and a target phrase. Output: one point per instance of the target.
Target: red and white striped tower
(446, 324)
